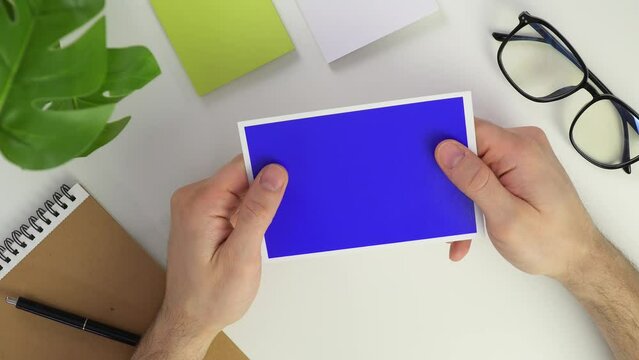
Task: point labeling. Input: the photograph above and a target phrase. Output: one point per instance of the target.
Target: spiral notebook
(72, 255)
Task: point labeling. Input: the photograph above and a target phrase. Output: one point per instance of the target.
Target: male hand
(533, 214)
(536, 221)
(214, 261)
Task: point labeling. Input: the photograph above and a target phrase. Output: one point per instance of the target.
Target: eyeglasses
(542, 66)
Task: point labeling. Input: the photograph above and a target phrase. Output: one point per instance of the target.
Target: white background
(404, 302)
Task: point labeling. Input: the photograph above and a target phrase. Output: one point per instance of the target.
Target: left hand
(214, 260)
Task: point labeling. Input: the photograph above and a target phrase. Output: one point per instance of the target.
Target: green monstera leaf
(56, 101)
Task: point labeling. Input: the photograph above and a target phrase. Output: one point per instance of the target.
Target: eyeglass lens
(540, 63)
(599, 132)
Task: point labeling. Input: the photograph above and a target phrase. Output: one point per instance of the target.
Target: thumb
(475, 179)
(257, 210)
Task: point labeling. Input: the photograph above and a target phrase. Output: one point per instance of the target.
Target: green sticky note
(218, 41)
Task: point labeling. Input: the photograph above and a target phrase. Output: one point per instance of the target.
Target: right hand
(533, 214)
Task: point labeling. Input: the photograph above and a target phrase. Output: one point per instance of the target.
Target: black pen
(75, 321)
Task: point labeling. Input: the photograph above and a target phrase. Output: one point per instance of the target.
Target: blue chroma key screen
(363, 178)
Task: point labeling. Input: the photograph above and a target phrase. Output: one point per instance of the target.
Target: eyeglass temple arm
(628, 119)
(546, 38)
(626, 143)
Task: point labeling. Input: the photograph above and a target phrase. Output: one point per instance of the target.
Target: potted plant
(59, 85)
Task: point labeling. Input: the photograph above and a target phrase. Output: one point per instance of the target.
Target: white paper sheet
(343, 26)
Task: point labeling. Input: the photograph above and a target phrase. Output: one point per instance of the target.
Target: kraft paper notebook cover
(85, 263)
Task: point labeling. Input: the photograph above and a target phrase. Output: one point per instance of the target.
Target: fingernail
(273, 178)
(450, 154)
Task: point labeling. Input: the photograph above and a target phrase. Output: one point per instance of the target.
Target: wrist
(185, 324)
(596, 252)
(175, 336)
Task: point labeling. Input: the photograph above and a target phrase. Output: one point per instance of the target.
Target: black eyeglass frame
(625, 111)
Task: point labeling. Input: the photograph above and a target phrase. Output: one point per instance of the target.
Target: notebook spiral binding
(13, 245)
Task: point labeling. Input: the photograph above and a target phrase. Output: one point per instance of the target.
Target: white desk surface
(404, 302)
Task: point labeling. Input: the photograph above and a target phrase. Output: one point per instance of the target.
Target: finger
(494, 140)
(221, 194)
(257, 210)
(231, 177)
(458, 250)
(466, 171)
(537, 135)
